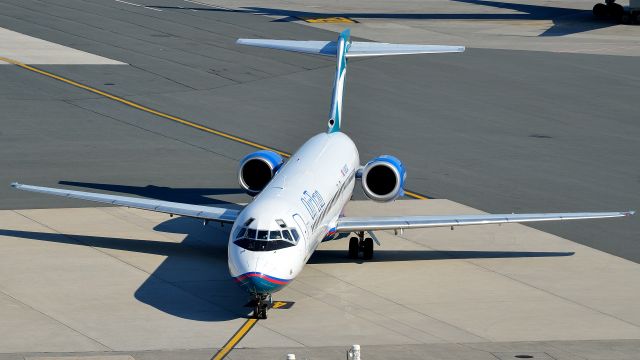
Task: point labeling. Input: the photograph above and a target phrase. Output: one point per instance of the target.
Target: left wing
(168, 207)
(350, 224)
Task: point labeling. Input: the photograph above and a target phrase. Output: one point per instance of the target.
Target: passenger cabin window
(264, 240)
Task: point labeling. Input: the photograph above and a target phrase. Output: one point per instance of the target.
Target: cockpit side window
(287, 235)
(295, 234)
(241, 233)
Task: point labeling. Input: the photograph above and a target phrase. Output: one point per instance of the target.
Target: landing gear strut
(261, 303)
(360, 243)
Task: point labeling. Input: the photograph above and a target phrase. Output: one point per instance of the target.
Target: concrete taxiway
(113, 279)
(496, 129)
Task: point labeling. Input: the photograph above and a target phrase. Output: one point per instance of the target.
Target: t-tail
(343, 49)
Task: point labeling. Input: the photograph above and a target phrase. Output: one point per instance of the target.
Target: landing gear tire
(600, 11)
(260, 312)
(617, 12)
(354, 248)
(367, 249)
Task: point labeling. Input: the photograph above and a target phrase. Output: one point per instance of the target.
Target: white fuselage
(303, 202)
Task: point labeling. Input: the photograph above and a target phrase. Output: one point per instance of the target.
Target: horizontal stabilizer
(343, 49)
(356, 49)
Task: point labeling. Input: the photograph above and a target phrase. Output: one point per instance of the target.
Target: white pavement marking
(34, 51)
(139, 5)
(128, 3)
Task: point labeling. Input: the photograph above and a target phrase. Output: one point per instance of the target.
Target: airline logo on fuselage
(313, 202)
(345, 170)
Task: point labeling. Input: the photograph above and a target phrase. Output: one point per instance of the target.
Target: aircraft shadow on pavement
(192, 282)
(565, 20)
(195, 196)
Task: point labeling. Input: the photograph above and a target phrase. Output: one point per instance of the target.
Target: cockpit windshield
(265, 240)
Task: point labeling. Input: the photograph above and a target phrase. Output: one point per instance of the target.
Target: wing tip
(15, 184)
(629, 213)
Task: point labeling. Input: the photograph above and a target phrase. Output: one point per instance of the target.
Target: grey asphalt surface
(502, 131)
(542, 350)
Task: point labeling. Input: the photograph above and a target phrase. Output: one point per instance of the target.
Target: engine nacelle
(383, 178)
(257, 169)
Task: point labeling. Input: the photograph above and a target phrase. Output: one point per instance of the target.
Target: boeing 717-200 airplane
(298, 203)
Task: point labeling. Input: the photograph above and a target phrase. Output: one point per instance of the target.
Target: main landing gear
(261, 303)
(360, 243)
(617, 12)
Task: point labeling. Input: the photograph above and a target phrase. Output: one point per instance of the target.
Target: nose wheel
(261, 303)
(361, 244)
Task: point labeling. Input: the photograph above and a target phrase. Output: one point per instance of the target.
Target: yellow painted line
(278, 304)
(328, 20)
(415, 195)
(163, 115)
(142, 107)
(235, 339)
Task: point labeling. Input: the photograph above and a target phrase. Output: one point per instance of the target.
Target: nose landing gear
(360, 243)
(261, 303)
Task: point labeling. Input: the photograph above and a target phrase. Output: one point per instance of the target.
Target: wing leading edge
(168, 207)
(350, 224)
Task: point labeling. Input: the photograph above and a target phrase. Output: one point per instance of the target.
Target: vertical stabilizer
(342, 47)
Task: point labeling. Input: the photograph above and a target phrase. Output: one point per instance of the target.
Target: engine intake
(257, 169)
(383, 178)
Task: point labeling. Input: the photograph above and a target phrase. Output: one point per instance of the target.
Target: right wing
(352, 224)
(168, 207)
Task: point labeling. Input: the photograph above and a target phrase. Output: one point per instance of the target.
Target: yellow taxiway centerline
(235, 339)
(163, 115)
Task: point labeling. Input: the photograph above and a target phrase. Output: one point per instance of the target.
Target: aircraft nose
(261, 283)
(253, 277)
(258, 282)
